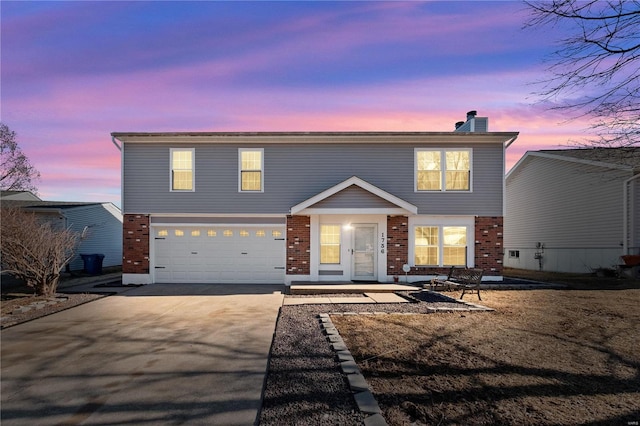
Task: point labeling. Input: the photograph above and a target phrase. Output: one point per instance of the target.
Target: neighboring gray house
(99, 224)
(279, 207)
(573, 210)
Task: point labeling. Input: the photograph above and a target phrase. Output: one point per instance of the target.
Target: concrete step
(348, 288)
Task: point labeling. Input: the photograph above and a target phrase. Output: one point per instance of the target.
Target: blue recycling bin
(92, 263)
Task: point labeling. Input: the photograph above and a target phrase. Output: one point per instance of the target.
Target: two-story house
(279, 207)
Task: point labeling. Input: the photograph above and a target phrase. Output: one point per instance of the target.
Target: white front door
(363, 259)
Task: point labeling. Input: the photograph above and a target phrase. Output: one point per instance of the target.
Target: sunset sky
(73, 72)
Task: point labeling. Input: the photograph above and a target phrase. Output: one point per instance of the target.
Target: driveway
(158, 354)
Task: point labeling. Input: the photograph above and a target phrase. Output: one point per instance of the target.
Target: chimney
(459, 124)
(471, 114)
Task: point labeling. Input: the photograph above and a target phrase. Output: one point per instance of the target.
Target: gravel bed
(304, 384)
(38, 307)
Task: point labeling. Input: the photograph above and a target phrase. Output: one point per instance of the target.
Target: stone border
(469, 306)
(365, 400)
(360, 389)
(39, 304)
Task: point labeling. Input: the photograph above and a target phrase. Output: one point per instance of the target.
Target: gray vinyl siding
(574, 209)
(294, 173)
(219, 220)
(103, 235)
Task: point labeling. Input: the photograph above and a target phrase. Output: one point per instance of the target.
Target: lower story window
(440, 245)
(427, 246)
(330, 244)
(454, 245)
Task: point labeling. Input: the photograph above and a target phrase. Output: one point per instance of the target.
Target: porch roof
(395, 205)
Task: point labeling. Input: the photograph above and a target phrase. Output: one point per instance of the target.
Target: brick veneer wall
(298, 245)
(135, 250)
(397, 244)
(487, 240)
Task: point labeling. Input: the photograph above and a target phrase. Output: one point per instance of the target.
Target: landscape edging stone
(362, 395)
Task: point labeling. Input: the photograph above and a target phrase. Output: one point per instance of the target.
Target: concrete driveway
(159, 354)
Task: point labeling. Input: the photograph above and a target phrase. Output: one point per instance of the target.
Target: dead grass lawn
(545, 357)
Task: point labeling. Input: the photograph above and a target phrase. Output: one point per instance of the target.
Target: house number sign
(382, 242)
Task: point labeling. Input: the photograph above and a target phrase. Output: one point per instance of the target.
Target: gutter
(504, 177)
(113, 139)
(510, 141)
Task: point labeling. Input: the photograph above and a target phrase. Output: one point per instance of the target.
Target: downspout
(510, 141)
(113, 139)
(504, 174)
(504, 188)
(625, 213)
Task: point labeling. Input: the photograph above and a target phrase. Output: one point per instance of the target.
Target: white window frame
(339, 245)
(438, 247)
(193, 169)
(240, 151)
(442, 222)
(443, 169)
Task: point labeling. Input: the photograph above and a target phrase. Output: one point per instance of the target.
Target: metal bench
(468, 279)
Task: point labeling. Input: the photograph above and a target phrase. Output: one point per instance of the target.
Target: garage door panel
(163, 276)
(219, 254)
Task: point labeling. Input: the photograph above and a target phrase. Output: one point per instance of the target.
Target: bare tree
(595, 72)
(33, 250)
(16, 172)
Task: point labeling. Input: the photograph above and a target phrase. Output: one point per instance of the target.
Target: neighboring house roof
(19, 195)
(58, 207)
(625, 158)
(53, 205)
(26, 199)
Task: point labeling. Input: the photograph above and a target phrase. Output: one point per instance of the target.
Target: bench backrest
(468, 275)
(474, 275)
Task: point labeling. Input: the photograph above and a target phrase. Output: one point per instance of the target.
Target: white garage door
(219, 254)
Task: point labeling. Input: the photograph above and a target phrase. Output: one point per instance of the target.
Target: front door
(363, 263)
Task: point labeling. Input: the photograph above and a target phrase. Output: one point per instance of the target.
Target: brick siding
(135, 250)
(298, 245)
(397, 244)
(488, 240)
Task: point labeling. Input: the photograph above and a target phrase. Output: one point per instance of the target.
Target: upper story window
(442, 170)
(182, 169)
(251, 165)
